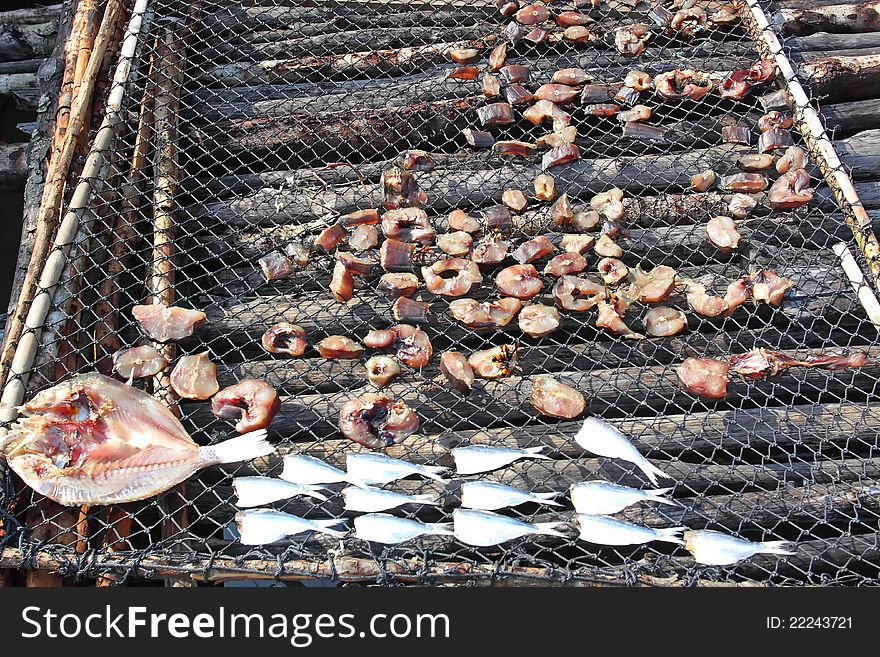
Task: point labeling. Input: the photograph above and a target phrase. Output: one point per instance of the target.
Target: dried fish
(298, 253)
(793, 158)
(565, 263)
(744, 182)
(655, 285)
(466, 275)
(457, 243)
(497, 57)
(560, 155)
(366, 499)
(252, 403)
(464, 73)
(556, 399)
(703, 181)
(517, 148)
(612, 270)
(773, 100)
(558, 138)
(762, 72)
(507, 7)
(561, 211)
(398, 284)
(375, 421)
(791, 190)
(607, 248)
(514, 199)
(644, 132)
(690, 21)
(605, 530)
(736, 134)
(408, 225)
(478, 138)
(578, 34)
(609, 318)
(390, 530)
(276, 265)
(489, 496)
(584, 220)
(395, 255)
(401, 190)
(680, 84)
(761, 362)
(487, 314)
(538, 321)
(704, 377)
(357, 266)
(722, 233)
(363, 238)
(604, 498)
(308, 471)
(495, 114)
(494, 363)
(577, 293)
(627, 96)
(775, 119)
(637, 113)
(741, 205)
(339, 346)
(559, 94)
(569, 18)
(515, 73)
(516, 94)
(485, 528)
(519, 281)
(474, 459)
(195, 377)
(457, 371)
(263, 526)
(630, 39)
(596, 93)
(755, 162)
(543, 110)
(545, 187)
(569, 76)
(704, 303)
(537, 35)
(138, 362)
(342, 283)
(366, 217)
(497, 218)
(513, 31)
(601, 109)
(661, 16)
(577, 243)
(257, 491)
(381, 370)
(533, 249)
(726, 15)
(382, 469)
(532, 14)
(464, 55)
(417, 160)
(490, 252)
(284, 338)
(405, 309)
(663, 321)
(767, 285)
(167, 323)
(598, 437)
(638, 81)
(774, 139)
(461, 220)
(713, 548)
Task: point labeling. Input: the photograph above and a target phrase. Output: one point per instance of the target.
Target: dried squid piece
(284, 338)
(485, 315)
(533, 249)
(553, 398)
(494, 363)
(703, 181)
(539, 321)
(794, 157)
(405, 309)
(398, 284)
(401, 189)
(545, 187)
(570, 76)
(376, 421)
(138, 362)
(680, 84)
(663, 321)
(565, 263)
(609, 318)
(276, 265)
(490, 252)
(791, 190)
(363, 238)
(457, 243)
(251, 402)
(339, 346)
(630, 39)
(461, 220)
(381, 370)
(457, 371)
(466, 276)
(612, 270)
(576, 293)
(520, 281)
(705, 377)
(722, 234)
(195, 377)
(166, 323)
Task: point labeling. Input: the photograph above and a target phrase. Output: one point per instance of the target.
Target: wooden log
(844, 17)
(13, 167)
(22, 89)
(28, 33)
(830, 41)
(848, 118)
(861, 152)
(849, 77)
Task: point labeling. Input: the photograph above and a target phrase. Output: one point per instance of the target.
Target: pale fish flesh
(481, 458)
(256, 491)
(385, 528)
(381, 469)
(93, 440)
(602, 497)
(262, 526)
(484, 528)
(488, 496)
(713, 548)
(308, 471)
(602, 439)
(367, 499)
(603, 530)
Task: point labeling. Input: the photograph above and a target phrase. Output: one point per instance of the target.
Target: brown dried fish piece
(755, 162)
(166, 323)
(466, 275)
(704, 377)
(298, 253)
(558, 138)
(556, 399)
(533, 249)
(516, 94)
(538, 321)
(537, 35)
(339, 346)
(491, 85)
(584, 220)
(596, 93)
(630, 39)
(736, 134)
(376, 421)
(569, 18)
(507, 7)
(398, 284)
(401, 189)
(251, 402)
(485, 315)
(342, 283)
(762, 72)
(609, 318)
(556, 93)
(661, 16)
(627, 96)
(497, 57)
(381, 370)
(457, 371)
(395, 255)
(545, 187)
(774, 139)
(417, 160)
(690, 21)
(543, 110)
(741, 205)
(515, 200)
(457, 243)
(560, 155)
(775, 119)
(578, 34)
(638, 80)
(513, 31)
(602, 109)
(794, 157)
(744, 182)
(194, 377)
(565, 263)
(461, 220)
(368, 217)
(644, 132)
(637, 113)
(722, 234)
(701, 182)
(577, 243)
(408, 225)
(495, 114)
(515, 148)
(519, 281)
(478, 138)
(497, 218)
(284, 338)
(494, 363)
(464, 55)
(464, 73)
(703, 303)
(736, 85)
(570, 76)
(663, 321)
(769, 286)
(577, 293)
(612, 270)
(357, 266)
(138, 362)
(607, 248)
(609, 203)
(680, 84)
(363, 238)
(561, 211)
(329, 238)
(405, 309)
(515, 73)
(276, 265)
(532, 14)
(791, 190)
(412, 344)
(490, 252)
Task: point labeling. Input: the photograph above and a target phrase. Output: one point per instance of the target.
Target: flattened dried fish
(486, 314)
(275, 265)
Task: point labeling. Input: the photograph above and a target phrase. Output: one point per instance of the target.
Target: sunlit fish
(368, 499)
(308, 471)
(603, 439)
(603, 530)
(489, 496)
(480, 458)
(381, 469)
(602, 497)
(385, 528)
(713, 548)
(257, 491)
(484, 528)
(262, 526)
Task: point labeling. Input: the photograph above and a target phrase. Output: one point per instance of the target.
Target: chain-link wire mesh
(271, 119)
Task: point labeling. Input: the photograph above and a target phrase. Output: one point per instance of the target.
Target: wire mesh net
(253, 126)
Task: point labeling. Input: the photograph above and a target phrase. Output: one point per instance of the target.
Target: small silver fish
(489, 496)
(256, 491)
(603, 439)
(603, 498)
(368, 499)
(603, 530)
(385, 528)
(381, 469)
(484, 528)
(308, 471)
(713, 548)
(481, 458)
(262, 526)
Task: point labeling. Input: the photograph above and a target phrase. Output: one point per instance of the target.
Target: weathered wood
(861, 152)
(849, 17)
(830, 41)
(13, 167)
(21, 88)
(848, 118)
(850, 77)
(28, 33)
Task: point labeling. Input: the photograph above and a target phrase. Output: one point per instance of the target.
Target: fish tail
(241, 448)
(535, 452)
(549, 528)
(777, 547)
(658, 495)
(670, 535)
(440, 528)
(432, 499)
(324, 526)
(651, 470)
(435, 472)
(312, 491)
(547, 498)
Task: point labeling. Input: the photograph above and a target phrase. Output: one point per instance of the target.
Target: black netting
(289, 112)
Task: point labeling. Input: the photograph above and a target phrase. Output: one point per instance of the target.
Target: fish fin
(651, 470)
(549, 528)
(777, 547)
(547, 498)
(670, 535)
(658, 495)
(535, 452)
(440, 528)
(432, 499)
(241, 448)
(325, 525)
(435, 472)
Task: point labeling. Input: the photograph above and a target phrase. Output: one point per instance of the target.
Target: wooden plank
(843, 17)
(861, 152)
(29, 32)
